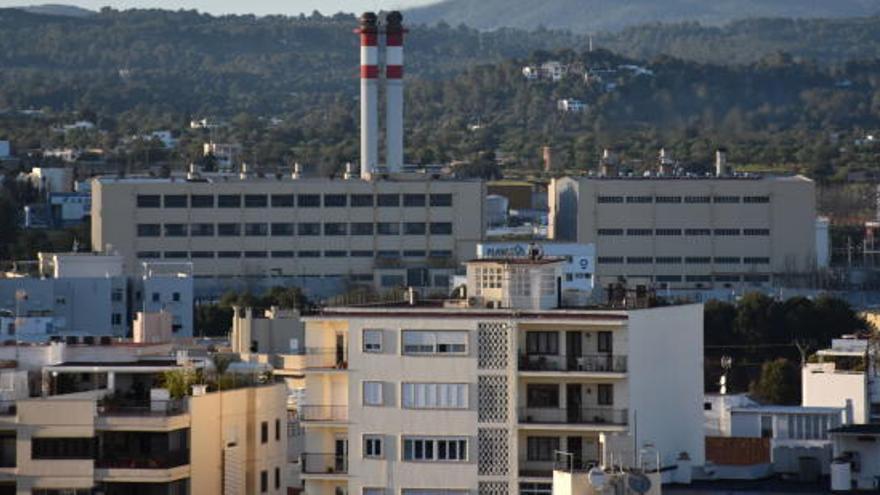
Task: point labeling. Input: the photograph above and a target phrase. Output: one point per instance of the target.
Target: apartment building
(482, 394)
(693, 232)
(411, 230)
(844, 376)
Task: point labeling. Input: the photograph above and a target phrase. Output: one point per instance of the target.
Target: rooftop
(867, 429)
(519, 261)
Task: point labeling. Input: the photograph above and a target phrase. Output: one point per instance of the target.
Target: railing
(326, 357)
(574, 415)
(120, 460)
(323, 413)
(137, 408)
(601, 363)
(324, 463)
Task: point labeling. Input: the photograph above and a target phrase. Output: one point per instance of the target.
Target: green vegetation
(215, 319)
(778, 383)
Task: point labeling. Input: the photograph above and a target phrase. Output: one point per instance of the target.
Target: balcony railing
(600, 363)
(166, 460)
(323, 413)
(142, 408)
(573, 415)
(324, 464)
(326, 357)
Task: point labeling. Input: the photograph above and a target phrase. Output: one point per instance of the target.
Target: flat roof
(404, 310)
(773, 409)
(519, 261)
(867, 429)
(233, 178)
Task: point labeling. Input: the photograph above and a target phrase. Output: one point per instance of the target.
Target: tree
(779, 383)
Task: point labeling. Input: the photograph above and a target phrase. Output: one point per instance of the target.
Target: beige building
(412, 230)
(481, 395)
(689, 232)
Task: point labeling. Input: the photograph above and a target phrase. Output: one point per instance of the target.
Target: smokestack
(369, 33)
(394, 34)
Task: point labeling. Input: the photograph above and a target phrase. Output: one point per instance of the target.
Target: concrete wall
(821, 386)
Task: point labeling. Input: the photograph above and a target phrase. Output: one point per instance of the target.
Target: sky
(259, 7)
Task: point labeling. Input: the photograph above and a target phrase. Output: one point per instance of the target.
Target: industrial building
(678, 231)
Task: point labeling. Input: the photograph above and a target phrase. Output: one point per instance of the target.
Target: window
(228, 229)
(116, 319)
(727, 278)
(335, 254)
(726, 199)
(609, 199)
(669, 278)
(435, 449)
(639, 260)
(727, 260)
(201, 200)
(541, 448)
(308, 229)
(756, 199)
(546, 343)
(756, 278)
(542, 395)
(116, 295)
(605, 394)
(434, 395)
(698, 260)
(667, 199)
(308, 200)
(610, 232)
(611, 260)
(361, 228)
(148, 200)
(414, 253)
(372, 340)
(387, 228)
(441, 200)
(440, 253)
(229, 254)
(277, 478)
(256, 201)
(697, 199)
(229, 201)
(526, 488)
(256, 254)
(145, 255)
(668, 260)
(335, 228)
(698, 278)
(726, 232)
(148, 230)
(434, 342)
(762, 232)
(256, 229)
(756, 261)
(441, 228)
(668, 231)
(639, 199)
(176, 229)
(175, 201)
(176, 255)
(362, 200)
(277, 430)
(282, 229)
(201, 230)
(283, 254)
(335, 201)
(362, 253)
(414, 228)
(766, 426)
(373, 447)
(63, 448)
(388, 200)
(201, 254)
(264, 432)
(175, 296)
(639, 232)
(264, 481)
(392, 280)
(604, 342)
(373, 394)
(414, 200)
(309, 254)
(282, 201)
(698, 232)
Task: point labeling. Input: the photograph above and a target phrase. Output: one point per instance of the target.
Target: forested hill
(586, 16)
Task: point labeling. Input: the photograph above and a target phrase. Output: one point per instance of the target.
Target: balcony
(586, 363)
(591, 416)
(326, 358)
(142, 408)
(324, 464)
(165, 460)
(161, 467)
(308, 414)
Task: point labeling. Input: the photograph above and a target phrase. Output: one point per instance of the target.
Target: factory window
(228, 229)
(414, 200)
(667, 232)
(361, 228)
(542, 343)
(373, 447)
(726, 199)
(435, 449)
(175, 201)
(229, 201)
(392, 280)
(388, 228)
(610, 232)
(756, 199)
(434, 342)
(611, 260)
(388, 200)
(309, 254)
(414, 228)
(727, 278)
(176, 229)
(388, 255)
(335, 201)
(372, 394)
(639, 199)
(202, 230)
(282, 201)
(414, 253)
(609, 199)
(639, 260)
(697, 199)
(727, 260)
(362, 200)
(264, 432)
(441, 228)
(698, 260)
(541, 448)
(62, 448)
(308, 200)
(256, 229)
(668, 199)
(727, 232)
(669, 278)
(668, 260)
(175, 296)
(756, 261)
(202, 254)
(756, 278)
(698, 232)
(308, 229)
(336, 228)
(148, 230)
(116, 319)
(256, 254)
(441, 200)
(148, 200)
(144, 255)
(176, 255)
(698, 278)
(440, 253)
(760, 232)
(283, 254)
(605, 394)
(202, 201)
(264, 481)
(335, 254)
(229, 254)
(434, 395)
(361, 277)
(639, 232)
(256, 201)
(362, 254)
(282, 229)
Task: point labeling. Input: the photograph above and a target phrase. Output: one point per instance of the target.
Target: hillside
(589, 16)
(57, 10)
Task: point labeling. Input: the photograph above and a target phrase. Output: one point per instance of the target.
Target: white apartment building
(689, 232)
(412, 230)
(844, 376)
(459, 397)
(577, 271)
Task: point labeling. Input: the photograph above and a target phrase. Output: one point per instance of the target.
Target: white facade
(578, 269)
(823, 242)
(51, 179)
(841, 378)
(857, 458)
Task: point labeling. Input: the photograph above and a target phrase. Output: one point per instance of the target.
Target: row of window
(683, 199)
(290, 200)
(309, 229)
(690, 260)
(419, 395)
(424, 449)
(751, 277)
(687, 232)
(419, 342)
(381, 254)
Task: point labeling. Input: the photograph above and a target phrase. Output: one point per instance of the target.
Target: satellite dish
(596, 477)
(638, 483)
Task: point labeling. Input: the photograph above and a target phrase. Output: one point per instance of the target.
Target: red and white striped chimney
(369, 33)
(394, 33)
